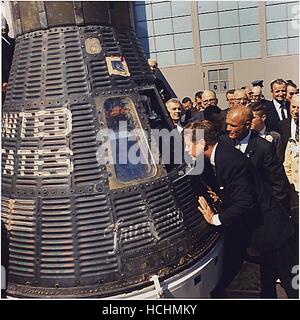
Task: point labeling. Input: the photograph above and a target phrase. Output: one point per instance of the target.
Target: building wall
(186, 80)
(273, 42)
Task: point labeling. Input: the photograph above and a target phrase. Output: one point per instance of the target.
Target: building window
(165, 31)
(218, 80)
(282, 27)
(229, 30)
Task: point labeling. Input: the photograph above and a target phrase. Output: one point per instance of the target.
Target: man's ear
(264, 118)
(204, 145)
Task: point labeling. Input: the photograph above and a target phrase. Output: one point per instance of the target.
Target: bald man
(209, 98)
(289, 128)
(272, 238)
(240, 98)
(256, 94)
(160, 86)
(260, 152)
(248, 91)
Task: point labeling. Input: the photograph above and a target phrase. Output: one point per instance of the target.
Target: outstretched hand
(205, 209)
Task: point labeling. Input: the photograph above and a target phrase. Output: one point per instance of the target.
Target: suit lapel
(251, 145)
(274, 112)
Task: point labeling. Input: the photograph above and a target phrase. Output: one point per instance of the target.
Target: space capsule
(81, 226)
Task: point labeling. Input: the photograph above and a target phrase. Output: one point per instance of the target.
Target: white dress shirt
(215, 219)
(179, 127)
(278, 109)
(262, 132)
(242, 146)
(293, 129)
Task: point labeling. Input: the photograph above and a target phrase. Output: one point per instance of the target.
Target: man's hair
(210, 132)
(152, 60)
(199, 94)
(173, 100)
(186, 99)
(210, 111)
(277, 81)
(258, 107)
(291, 84)
(242, 110)
(230, 91)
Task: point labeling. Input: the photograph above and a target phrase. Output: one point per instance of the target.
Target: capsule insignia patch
(118, 66)
(92, 46)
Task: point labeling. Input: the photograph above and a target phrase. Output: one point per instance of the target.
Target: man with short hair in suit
(259, 125)
(240, 98)
(289, 128)
(260, 152)
(232, 183)
(160, 86)
(249, 211)
(277, 109)
(291, 89)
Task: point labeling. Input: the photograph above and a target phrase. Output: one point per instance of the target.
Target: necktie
(282, 112)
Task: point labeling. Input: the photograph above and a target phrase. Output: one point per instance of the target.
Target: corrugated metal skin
(71, 236)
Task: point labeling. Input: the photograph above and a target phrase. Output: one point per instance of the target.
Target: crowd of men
(251, 151)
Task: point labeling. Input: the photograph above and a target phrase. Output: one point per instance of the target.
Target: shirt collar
(212, 156)
(276, 103)
(179, 127)
(3, 38)
(246, 139)
(263, 131)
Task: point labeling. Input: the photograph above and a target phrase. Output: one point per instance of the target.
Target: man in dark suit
(258, 124)
(260, 152)
(209, 98)
(249, 211)
(160, 86)
(8, 46)
(231, 183)
(277, 109)
(289, 128)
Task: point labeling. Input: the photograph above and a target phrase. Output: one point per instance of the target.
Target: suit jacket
(199, 115)
(285, 130)
(273, 119)
(231, 183)
(261, 155)
(7, 57)
(265, 221)
(162, 89)
(275, 138)
(274, 227)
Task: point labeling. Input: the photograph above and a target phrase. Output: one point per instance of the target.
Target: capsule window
(129, 154)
